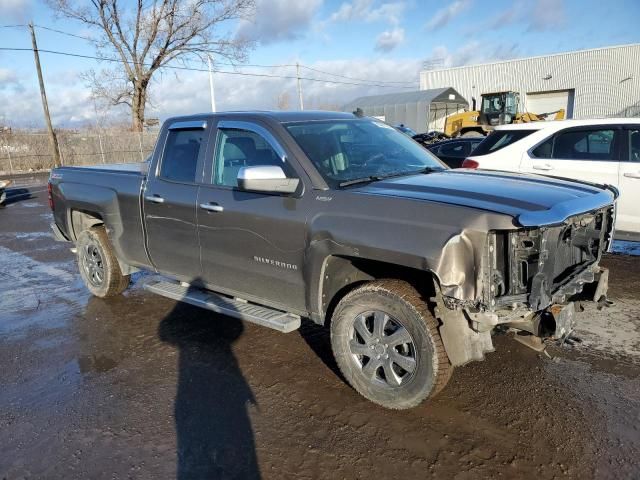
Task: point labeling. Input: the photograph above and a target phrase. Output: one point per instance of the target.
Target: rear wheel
(387, 345)
(98, 265)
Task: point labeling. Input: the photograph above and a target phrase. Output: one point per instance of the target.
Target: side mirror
(267, 179)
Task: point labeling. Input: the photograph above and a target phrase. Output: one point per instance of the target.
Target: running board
(267, 317)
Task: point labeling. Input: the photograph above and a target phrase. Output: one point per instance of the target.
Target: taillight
(468, 163)
(49, 195)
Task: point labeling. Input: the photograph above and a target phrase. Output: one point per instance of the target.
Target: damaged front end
(532, 280)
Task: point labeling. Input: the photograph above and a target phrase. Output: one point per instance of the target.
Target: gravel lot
(144, 387)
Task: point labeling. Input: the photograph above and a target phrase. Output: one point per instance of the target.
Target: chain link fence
(31, 152)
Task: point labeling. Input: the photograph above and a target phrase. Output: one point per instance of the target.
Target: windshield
(500, 139)
(347, 150)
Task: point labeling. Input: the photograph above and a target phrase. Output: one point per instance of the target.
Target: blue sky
(380, 40)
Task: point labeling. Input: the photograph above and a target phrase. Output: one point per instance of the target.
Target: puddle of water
(36, 294)
(31, 236)
(95, 364)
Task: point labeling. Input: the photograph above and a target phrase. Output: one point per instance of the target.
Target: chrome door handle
(154, 198)
(543, 167)
(632, 175)
(212, 207)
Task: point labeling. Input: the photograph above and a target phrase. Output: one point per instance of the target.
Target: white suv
(604, 151)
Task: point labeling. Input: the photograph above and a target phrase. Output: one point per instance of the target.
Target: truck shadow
(214, 433)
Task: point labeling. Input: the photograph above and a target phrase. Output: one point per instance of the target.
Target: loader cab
(498, 108)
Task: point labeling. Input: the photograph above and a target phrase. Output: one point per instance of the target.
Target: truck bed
(111, 192)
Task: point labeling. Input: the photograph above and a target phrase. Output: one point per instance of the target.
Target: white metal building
(601, 82)
(422, 111)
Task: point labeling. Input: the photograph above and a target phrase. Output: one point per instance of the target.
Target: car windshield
(500, 139)
(345, 151)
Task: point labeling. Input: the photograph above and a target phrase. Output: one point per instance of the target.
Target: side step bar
(267, 317)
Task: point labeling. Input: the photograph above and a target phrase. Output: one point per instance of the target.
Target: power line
(194, 69)
(351, 78)
(81, 37)
(252, 65)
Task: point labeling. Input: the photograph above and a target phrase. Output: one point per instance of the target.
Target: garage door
(544, 102)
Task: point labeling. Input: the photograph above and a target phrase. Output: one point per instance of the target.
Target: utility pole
(213, 97)
(45, 105)
(299, 86)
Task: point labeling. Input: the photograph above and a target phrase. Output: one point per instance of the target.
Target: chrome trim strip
(569, 208)
(189, 124)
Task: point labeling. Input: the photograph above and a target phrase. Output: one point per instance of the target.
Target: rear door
(628, 212)
(585, 153)
(170, 200)
(252, 244)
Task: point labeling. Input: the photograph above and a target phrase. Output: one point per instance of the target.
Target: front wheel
(387, 345)
(98, 265)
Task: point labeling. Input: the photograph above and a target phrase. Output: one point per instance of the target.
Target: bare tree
(145, 35)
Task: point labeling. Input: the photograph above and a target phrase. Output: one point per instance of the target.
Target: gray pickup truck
(341, 219)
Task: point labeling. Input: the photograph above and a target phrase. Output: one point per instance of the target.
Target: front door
(628, 212)
(170, 201)
(252, 244)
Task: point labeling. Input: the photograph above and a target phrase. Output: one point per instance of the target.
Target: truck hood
(531, 200)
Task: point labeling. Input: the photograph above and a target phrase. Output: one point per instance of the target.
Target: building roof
(526, 59)
(436, 95)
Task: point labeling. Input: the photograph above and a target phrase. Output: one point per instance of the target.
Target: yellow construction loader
(498, 108)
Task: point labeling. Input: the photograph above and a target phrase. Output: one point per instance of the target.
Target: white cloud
(547, 15)
(189, 93)
(471, 53)
(15, 10)
(277, 20)
(7, 78)
(367, 11)
(446, 14)
(71, 104)
(535, 15)
(389, 39)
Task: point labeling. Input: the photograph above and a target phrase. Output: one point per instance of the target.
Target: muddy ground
(143, 387)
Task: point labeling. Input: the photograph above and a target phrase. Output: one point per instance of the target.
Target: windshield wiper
(373, 178)
(355, 181)
(411, 172)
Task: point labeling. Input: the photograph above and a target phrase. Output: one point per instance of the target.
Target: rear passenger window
(544, 150)
(585, 145)
(499, 139)
(242, 148)
(180, 157)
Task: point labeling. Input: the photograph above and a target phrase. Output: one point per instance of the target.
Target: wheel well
(471, 129)
(342, 274)
(81, 221)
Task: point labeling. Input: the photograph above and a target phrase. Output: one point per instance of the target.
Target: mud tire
(113, 281)
(399, 300)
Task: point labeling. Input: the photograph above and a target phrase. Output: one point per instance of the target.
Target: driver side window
(236, 149)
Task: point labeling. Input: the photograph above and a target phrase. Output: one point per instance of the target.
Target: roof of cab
(278, 116)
